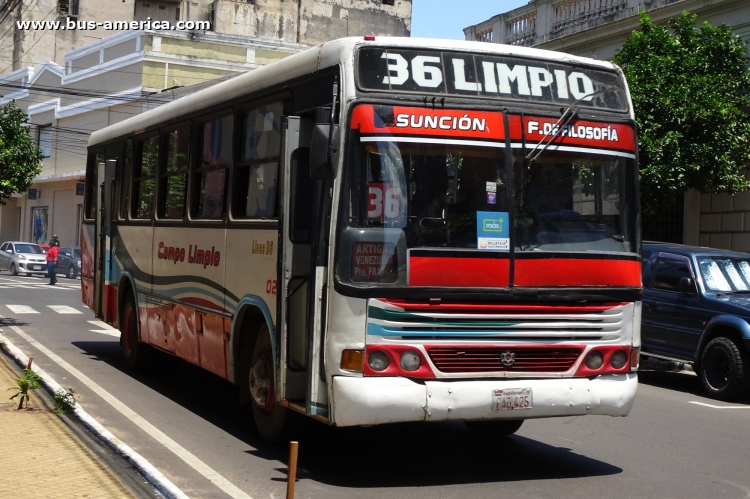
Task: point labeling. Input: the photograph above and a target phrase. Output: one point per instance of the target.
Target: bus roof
(308, 61)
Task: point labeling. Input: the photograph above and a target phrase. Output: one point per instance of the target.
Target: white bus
(381, 230)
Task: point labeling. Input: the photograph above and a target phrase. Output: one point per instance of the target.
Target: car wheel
(72, 272)
(13, 270)
(497, 428)
(29, 274)
(270, 417)
(724, 369)
(134, 353)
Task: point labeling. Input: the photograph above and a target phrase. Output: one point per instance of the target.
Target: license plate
(35, 267)
(511, 399)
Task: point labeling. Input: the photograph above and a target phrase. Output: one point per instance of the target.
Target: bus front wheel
(270, 417)
(134, 353)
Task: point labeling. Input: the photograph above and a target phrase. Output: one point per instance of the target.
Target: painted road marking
(64, 309)
(21, 309)
(720, 406)
(209, 473)
(105, 329)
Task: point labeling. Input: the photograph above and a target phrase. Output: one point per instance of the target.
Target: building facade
(598, 28)
(295, 21)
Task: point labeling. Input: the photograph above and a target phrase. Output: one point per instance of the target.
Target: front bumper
(39, 268)
(376, 400)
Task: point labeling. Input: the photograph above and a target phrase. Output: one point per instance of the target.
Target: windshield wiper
(568, 115)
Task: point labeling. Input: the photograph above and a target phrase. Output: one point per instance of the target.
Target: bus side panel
(188, 267)
(88, 236)
(251, 266)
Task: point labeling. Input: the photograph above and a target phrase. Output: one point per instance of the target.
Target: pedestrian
(52, 259)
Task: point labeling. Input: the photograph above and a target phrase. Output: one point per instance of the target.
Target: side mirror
(9, 251)
(322, 159)
(686, 286)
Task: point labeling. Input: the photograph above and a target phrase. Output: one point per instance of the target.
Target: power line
(34, 44)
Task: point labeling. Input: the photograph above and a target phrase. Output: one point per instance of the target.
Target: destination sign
(478, 75)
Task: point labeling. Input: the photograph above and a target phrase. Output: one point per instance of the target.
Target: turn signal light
(353, 360)
(635, 357)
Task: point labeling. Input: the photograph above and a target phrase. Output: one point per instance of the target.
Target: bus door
(300, 284)
(105, 199)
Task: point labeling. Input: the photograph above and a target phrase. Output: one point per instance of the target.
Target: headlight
(410, 361)
(618, 359)
(378, 361)
(22, 257)
(594, 361)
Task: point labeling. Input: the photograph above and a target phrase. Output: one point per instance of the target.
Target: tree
(690, 95)
(20, 159)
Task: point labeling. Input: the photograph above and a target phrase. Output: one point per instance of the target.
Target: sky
(448, 18)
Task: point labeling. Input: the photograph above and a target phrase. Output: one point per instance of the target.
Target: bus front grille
(506, 359)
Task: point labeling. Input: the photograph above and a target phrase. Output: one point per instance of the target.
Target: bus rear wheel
(270, 417)
(134, 353)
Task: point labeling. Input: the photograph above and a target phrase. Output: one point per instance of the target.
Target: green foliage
(26, 383)
(65, 402)
(690, 94)
(20, 159)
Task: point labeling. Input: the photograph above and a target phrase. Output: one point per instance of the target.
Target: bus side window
(95, 158)
(211, 178)
(127, 170)
(174, 175)
(257, 170)
(144, 177)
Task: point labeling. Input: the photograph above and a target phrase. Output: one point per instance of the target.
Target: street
(190, 426)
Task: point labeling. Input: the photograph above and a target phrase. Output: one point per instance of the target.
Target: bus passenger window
(144, 178)
(174, 175)
(211, 173)
(127, 172)
(257, 171)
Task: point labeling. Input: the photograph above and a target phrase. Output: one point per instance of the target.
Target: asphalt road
(675, 443)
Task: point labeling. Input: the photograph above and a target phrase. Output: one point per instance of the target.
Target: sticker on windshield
(492, 231)
(491, 198)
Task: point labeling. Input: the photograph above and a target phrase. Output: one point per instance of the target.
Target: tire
(13, 270)
(724, 369)
(29, 274)
(135, 354)
(270, 417)
(494, 429)
(71, 274)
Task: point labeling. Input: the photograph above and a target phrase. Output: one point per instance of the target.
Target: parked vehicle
(696, 309)
(69, 261)
(16, 256)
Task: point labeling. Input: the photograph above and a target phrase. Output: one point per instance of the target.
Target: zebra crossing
(11, 283)
(101, 327)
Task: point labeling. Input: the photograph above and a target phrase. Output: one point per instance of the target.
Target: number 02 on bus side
(511, 398)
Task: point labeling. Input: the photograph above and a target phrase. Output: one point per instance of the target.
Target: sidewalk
(41, 457)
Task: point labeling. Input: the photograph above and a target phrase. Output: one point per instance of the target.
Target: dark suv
(69, 261)
(696, 309)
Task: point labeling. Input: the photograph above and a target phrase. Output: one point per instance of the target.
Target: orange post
(291, 476)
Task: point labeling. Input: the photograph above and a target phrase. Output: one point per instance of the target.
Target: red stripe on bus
(501, 307)
(459, 272)
(431, 122)
(577, 272)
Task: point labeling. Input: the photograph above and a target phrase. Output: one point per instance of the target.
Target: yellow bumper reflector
(635, 356)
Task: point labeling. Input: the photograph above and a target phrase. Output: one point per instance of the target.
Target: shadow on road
(397, 455)
(9, 321)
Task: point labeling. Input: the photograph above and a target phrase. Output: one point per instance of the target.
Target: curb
(154, 476)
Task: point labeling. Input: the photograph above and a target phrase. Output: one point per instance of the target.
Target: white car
(17, 256)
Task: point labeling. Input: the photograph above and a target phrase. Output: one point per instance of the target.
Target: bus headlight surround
(410, 361)
(618, 359)
(594, 360)
(378, 361)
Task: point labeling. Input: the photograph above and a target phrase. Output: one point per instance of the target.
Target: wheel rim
(13, 268)
(70, 273)
(718, 370)
(261, 382)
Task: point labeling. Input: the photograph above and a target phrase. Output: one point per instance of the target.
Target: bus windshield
(405, 194)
